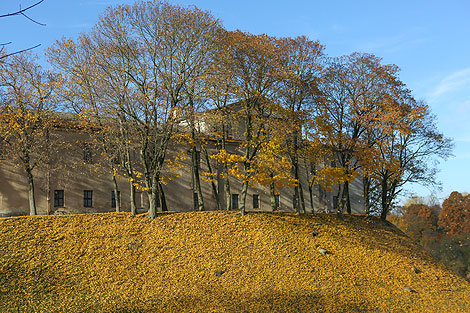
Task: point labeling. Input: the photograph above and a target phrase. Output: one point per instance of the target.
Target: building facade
(80, 182)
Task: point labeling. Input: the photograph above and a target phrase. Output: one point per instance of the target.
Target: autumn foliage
(443, 232)
(219, 262)
(455, 214)
(151, 73)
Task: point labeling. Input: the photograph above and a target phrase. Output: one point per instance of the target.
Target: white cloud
(452, 83)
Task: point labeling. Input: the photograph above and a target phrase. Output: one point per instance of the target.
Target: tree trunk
(384, 212)
(243, 198)
(228, 194)
(310, 185)
(345, 200)
(127, 163)
(32, 200)
(366, 190)
(214, 187)
(299, 195)
(197, 181)
(117, 198)
(132, 197)
(337, 206)
(388, 194)
(161, 194)
(272, 195)
(310, 192)
(302, 200)
(296, 199)
(48, 192)
(152, 194)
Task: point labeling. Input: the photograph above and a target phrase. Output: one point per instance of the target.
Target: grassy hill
(219, 262)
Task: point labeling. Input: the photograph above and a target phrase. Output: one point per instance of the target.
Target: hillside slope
(219, 262)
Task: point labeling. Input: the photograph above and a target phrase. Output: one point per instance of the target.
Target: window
(87, 198)
(294, 201)
(255, 201)
(276, 201)
(335, 202)
(234, 201)
(113, 198)
(58, 198)
(195, 201)
(198, 157)
(117, 160)
(87, 155)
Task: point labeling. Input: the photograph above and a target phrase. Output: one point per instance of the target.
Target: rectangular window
(234, 201)
(198, 157)
(276, 201)
(195, 201)
(335, 202)
(113, 198)
(255, 201)
(87, 198)
(294, 201)
(58, 198)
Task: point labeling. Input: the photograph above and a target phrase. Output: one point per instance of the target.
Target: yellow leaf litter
(219, 262)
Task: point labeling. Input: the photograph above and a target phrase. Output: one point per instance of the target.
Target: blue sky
(429, 40)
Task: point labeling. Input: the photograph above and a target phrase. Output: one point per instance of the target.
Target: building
(79, 183)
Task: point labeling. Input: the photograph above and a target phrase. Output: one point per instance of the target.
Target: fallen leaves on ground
(219, 262)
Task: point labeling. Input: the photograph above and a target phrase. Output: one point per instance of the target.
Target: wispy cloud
(95, 3)
(452, 83)
(392, 44)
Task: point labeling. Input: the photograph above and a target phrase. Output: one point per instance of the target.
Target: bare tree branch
(42, 24)
(21, 11)
(16, 52)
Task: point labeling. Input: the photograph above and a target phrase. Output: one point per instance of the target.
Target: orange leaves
(455, 214)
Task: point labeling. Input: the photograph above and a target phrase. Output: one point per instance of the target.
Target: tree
(148, 55)
(417, 220)
(353, 88)
(28, 100)
(255, 66)
(297, 92)
(219, 89)
(409, 152)
(95, 95)
(455, 214)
